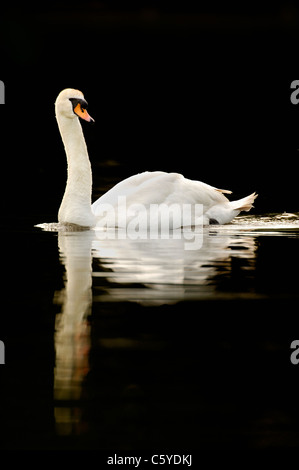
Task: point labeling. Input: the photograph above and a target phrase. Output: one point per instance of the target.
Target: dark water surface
(141, 344)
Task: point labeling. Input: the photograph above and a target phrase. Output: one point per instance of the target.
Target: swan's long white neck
(75, 207)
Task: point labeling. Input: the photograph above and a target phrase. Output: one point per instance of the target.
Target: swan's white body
(141, 190)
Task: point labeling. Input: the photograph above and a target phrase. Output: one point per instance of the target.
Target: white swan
(144, 189)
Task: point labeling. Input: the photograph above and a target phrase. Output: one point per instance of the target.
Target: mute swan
(144, 189)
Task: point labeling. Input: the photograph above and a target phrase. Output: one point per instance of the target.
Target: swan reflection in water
(72, 333)
(151, 272)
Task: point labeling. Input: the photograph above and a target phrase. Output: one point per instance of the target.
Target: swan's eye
(76, 101)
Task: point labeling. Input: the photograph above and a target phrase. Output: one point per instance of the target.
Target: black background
(202, 90)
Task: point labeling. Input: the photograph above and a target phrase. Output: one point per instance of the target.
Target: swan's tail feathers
(244, 204)
(226, 191)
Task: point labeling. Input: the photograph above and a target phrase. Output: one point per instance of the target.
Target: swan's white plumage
(146, 188)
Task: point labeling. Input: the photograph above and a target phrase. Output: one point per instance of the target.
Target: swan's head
(70, 103)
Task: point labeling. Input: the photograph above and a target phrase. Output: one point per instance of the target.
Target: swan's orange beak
(82, 113)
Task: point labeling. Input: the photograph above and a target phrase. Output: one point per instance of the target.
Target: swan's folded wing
(159, 187)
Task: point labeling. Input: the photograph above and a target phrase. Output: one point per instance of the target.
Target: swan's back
(158, 187)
